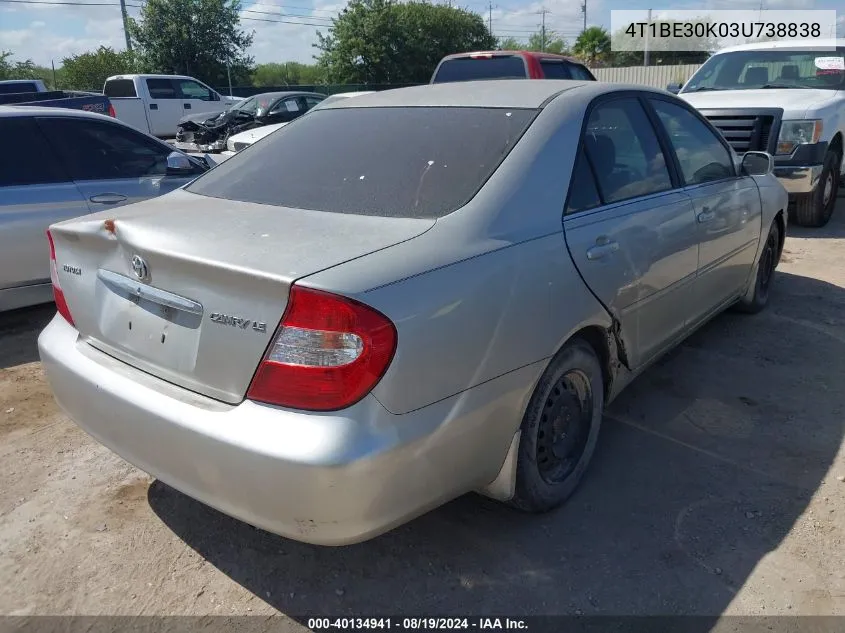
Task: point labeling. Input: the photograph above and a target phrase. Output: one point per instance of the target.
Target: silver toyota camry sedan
(326, 344)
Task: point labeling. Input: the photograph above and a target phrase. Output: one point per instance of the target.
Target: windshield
(475, 68)
(409, 162)
(783, 68)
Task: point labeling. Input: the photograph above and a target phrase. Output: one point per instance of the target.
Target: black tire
(563, 418)
(814, 209)
(765, 274)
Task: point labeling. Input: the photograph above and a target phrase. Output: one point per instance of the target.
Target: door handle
(706, 215)
(602, 250)
(187, 106)
(108, 198)
(153, 106)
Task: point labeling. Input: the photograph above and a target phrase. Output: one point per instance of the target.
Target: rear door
(35, 191)
(197, 97)
(630, 230)
(727, 205)
(164, 108)
(111, 164)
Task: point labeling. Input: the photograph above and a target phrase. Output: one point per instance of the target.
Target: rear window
(475, 68)
(390, 162)
(120, 88)
(13, 88)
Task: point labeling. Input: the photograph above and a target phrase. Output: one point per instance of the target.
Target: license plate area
(156, 330)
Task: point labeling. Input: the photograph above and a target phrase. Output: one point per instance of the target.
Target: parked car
(75, 163)
(155, 103)
(210, 135)
(508, 65)
(34, 92)
(326, 344)
(786, 98)
(242, 140)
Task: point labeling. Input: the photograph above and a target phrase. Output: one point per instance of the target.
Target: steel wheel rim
(564, 429)
(828, 189)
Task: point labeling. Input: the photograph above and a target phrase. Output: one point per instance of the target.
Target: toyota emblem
(139, 267)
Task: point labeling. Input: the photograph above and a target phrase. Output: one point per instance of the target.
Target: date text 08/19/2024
(417, 624)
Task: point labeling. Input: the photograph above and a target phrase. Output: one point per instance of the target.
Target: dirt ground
(717, 488)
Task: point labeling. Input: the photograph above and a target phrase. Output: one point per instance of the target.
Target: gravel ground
(717, 488)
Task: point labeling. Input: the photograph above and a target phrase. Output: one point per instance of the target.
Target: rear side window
(475, 68)
(583, 193)
(120, 88)
(625, 152)
(556, 69)
(13, 88)
(391, 162)
(162, 89)
(33, 161)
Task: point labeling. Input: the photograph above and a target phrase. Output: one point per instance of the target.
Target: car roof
(506, 53)
(494, 93)
(820, 44)
(33, 110)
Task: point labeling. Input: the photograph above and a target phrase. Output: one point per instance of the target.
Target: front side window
(625, 152)
(194, 90)
(407, 162)
(702, 155)
(93, 150)
(779, 68)
(33, 163)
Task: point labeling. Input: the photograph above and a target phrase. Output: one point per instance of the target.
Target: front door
(727, 206)
(630, 230)
(111, 164)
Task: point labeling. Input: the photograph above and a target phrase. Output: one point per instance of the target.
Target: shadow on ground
(19, 330)
(704, 465)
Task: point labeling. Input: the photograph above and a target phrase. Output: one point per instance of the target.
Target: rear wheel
(765, 274)
(814, 209)
(560, 429)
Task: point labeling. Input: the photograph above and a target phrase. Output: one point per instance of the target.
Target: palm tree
(593, 44)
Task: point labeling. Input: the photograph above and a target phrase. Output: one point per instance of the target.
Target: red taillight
(58, 295)
(112, 113)
(328, 353)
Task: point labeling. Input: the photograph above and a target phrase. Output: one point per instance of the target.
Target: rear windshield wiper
(703, 88)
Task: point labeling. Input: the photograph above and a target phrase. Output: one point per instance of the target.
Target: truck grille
(747, 130)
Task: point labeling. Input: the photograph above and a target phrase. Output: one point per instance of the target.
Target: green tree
(593, 45)
(287, 74)
(88, 71)
(553, 43)
(382, 41)
(193, 37)
(510, 44)
(10, 69)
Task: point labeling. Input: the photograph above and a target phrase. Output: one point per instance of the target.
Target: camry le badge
(226, 319)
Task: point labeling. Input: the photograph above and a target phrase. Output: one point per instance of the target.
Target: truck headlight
(795, 133)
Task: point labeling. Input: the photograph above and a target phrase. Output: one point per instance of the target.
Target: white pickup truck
(786, 98)
(155, 103)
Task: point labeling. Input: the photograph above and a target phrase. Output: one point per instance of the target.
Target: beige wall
(654, 76)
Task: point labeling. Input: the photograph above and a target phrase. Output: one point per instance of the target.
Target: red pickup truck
(508, 65)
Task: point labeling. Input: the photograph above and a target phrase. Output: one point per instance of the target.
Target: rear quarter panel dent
(463, 325)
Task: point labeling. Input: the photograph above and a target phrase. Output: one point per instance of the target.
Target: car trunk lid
(190, 288)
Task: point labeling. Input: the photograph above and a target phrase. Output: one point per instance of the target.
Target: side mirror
(757, 164)
(674, 88)
(214, 96)
(179, 165)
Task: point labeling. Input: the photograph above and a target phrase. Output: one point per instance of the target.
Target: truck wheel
(765, 273)
(560, 429)
(814, 209)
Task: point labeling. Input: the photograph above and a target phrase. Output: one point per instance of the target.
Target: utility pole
(584, 11)
(647, 29)
(543, 12)
(125, 24)
(490, 17)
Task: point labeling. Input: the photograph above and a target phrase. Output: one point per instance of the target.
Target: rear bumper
(797, 179)
(329, 479)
